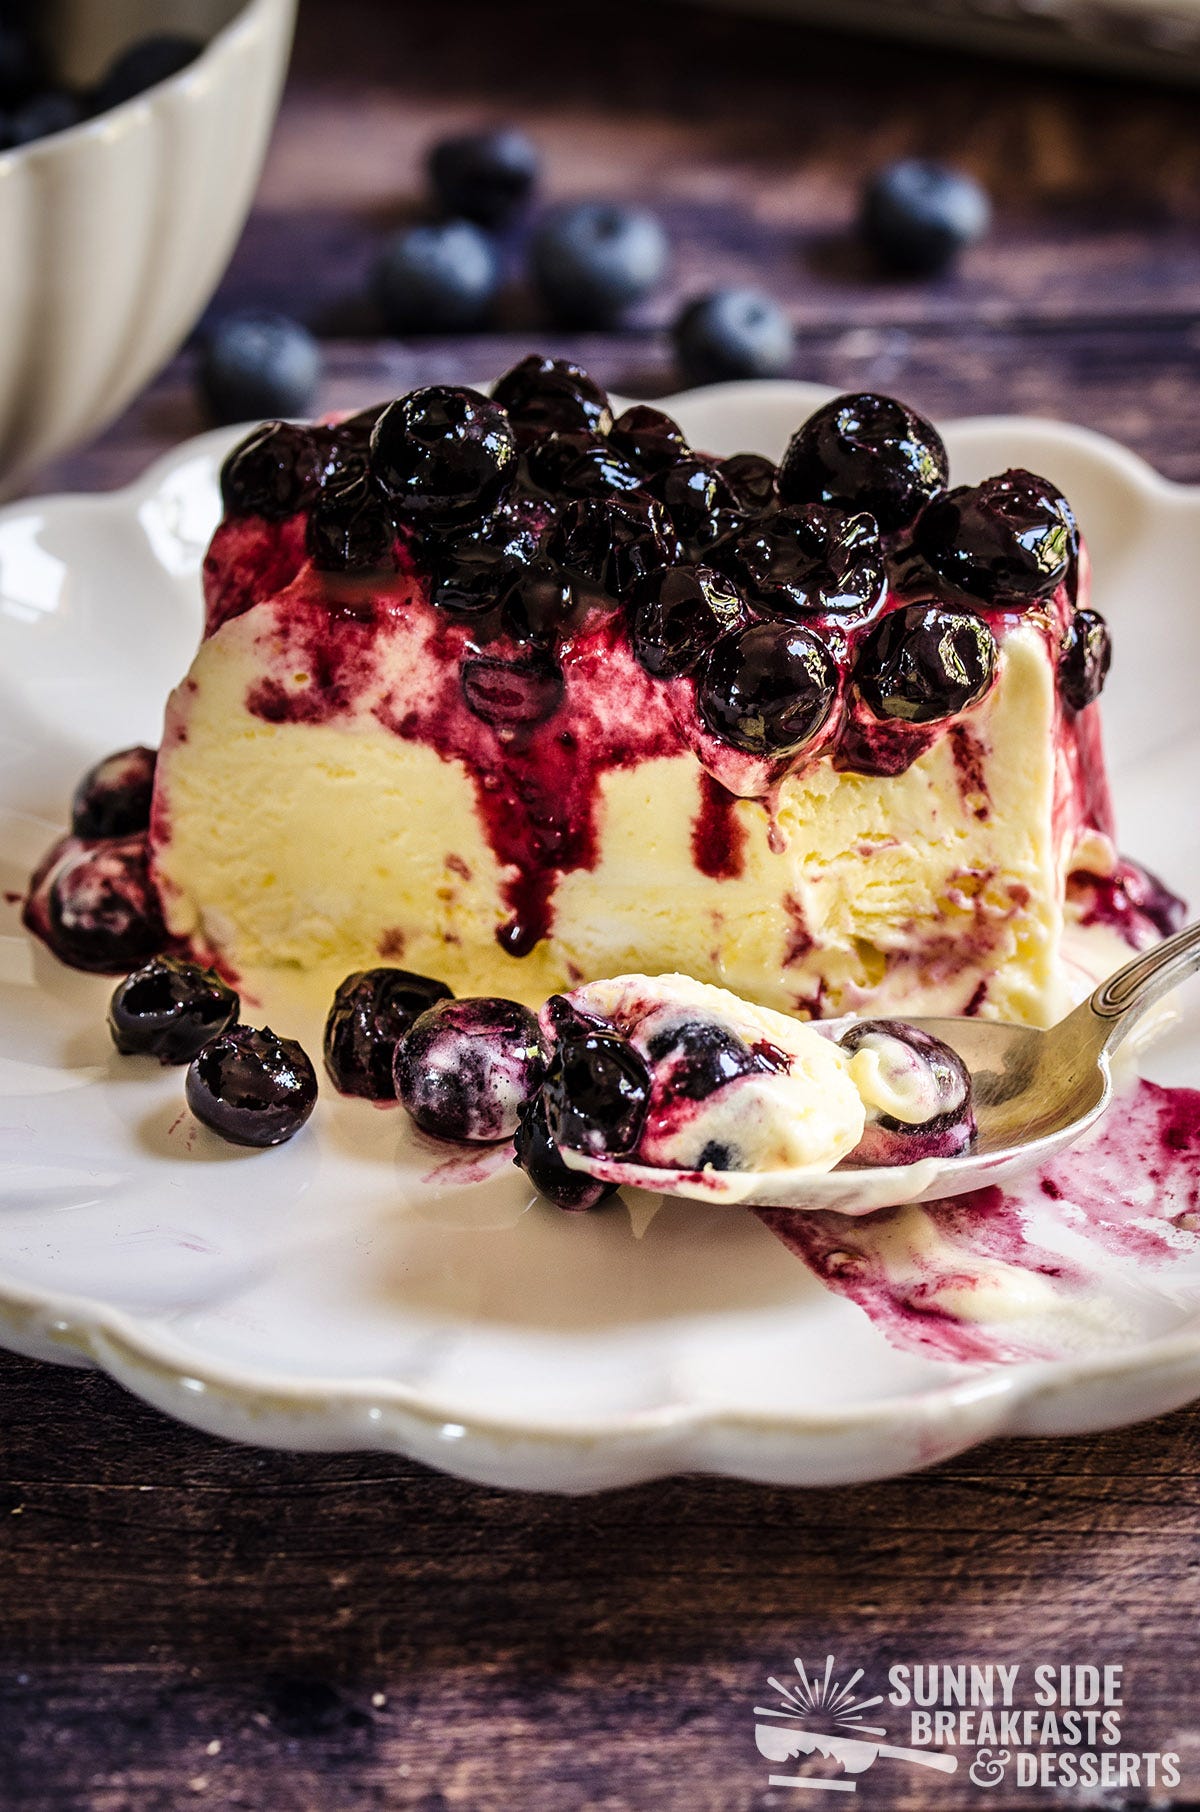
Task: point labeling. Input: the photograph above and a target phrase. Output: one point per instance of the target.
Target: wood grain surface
(186, 1623)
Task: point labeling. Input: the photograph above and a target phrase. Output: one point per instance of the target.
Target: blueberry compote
(539, 1157)
(169, 1009)
(920, 1089)
(252, 1087)
(869, 453)
(465, 1068)
(113, 798)
(95, 905)
(371, 1012)
(1009, 539)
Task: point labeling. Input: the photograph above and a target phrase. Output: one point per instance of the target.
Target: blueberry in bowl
(170, 1009)
(251, 1086)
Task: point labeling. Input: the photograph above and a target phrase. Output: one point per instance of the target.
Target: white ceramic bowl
(348, 1290)
(113, 235)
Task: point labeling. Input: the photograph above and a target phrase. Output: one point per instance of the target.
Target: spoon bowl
(1034, 1092)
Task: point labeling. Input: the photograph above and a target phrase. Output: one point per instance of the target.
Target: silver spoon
(1034, 1092)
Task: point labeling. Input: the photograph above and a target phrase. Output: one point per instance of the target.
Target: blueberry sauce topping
(924, 663)
(443, 455)
(1085, 659)
(252, 1087)
(95, 905)
(277, 470)
(513, 695)
(1010, 538)
(579, 465)
(699, 501)
(768, 689)
(351, 529)
(751, 477)
(649, 439)
(538, 603)
(169, 1009)
(811, 560)
(866, 453)
(680, 613)
(596, 1091)
(372, 1010)
(113, 798)
(538, 1156)
(470, 572)
(465, 1068)
(552, 396)
(609, 543)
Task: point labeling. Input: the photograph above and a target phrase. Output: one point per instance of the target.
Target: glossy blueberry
(1010, 538)
(699, 501)
(371, 1012)
(924, 663)
(169, 1009)
(275, 471)
(252, 1087)
(552, 396)
(143, 65)
(806, 559)
(733, 333)
(441, 277)
(466, 1068)
(751, 478)
(694, 1058)
(1085, 659)
(255, 365)
(486, 176)
(538, 604)
(351, 529)
(917, 215)
(593, 260)
(596, 1091)
(610, 542)
(113, 798)
(54, 110)
(932, 1082)
(574, 1191)
(649, 439)
(471, 571)
(101, 909)
(443, 455)
(515, 694)
(865, 452)
(768, 689)
(579, 465)
(680, 612)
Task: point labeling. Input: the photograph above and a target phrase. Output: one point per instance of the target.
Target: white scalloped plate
(322, 1295)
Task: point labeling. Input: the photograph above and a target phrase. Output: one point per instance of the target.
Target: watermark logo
(1046, 1725)
(824, 1716)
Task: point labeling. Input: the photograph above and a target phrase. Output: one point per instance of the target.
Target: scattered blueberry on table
(256, 364)
(917, 216)
(592, 261)
(465, 1068)
(733, 333)
(441, 277)
(487, 176)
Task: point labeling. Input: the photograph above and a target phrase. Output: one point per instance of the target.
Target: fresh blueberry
(593, 260)
(1010, 538)
(438, 278)
(768, 688)
(596, 1091)
(917, 215)
(486, 176)
(649, 439)
(579, 465)
(444, 455)
(733, 333)
(102, 911)
(552, 396)
(804, 560)
(698, 500)
(680, 612)
(470, 572)
(865, 452)
(513, 694)
(466, 1068)
(256, 365)
(751, 478)
(54, 110)
(538, 1156)
(351, 529)
(252, 1087)
(922, 663)
(538, 604)
(275, 471)
(924, 1074)
(143, 65)
(113, 798)
(694, 1058)
(169, 1009)
(610, 542)
(1084, 662)
(371, 1012)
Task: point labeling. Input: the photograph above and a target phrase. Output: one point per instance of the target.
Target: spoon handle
(1124, 997)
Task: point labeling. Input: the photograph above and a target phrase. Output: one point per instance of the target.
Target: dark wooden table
(183, 1622)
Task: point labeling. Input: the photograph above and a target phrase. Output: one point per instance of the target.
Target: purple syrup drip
(718, 834)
